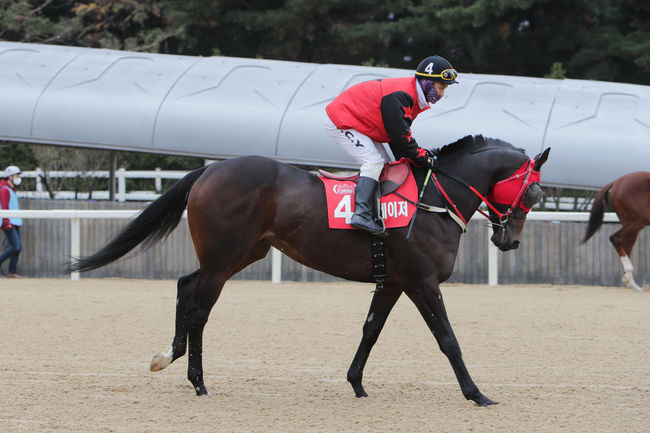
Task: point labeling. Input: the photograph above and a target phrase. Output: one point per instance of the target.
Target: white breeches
(370, 154)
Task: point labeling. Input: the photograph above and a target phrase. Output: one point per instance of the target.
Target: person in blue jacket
(11, 226)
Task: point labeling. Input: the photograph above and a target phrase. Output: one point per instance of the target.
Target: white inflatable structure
(222, 107)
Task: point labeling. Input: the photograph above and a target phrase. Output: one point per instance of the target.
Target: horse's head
(497, 173)
(511, 199)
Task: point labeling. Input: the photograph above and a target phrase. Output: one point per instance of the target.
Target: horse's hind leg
(208, 288)
(381, 305)
(186, 306)
(186, 287)
(623, 241)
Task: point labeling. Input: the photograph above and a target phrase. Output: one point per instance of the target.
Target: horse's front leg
(381, 305)
(427, 298)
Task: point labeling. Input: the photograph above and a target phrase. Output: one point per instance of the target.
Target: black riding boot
(365, 201)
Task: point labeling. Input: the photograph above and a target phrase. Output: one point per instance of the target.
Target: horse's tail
(597, 212)
(154, 223)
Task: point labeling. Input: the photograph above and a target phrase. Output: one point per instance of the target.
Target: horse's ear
(541, 158)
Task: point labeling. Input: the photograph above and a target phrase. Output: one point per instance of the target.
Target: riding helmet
(436, 68)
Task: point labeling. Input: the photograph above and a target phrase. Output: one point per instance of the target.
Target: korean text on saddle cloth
(395, 210)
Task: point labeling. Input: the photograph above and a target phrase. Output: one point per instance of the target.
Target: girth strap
(378, 257)
(436, 209)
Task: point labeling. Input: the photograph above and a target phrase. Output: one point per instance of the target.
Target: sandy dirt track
(75, 358)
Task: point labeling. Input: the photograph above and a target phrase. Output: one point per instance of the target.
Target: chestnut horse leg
(381, 305)
(427, 298)
(623, 241)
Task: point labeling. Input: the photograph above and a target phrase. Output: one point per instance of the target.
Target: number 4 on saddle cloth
(396, 184)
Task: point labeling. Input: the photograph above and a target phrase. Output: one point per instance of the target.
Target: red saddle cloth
(396, 177)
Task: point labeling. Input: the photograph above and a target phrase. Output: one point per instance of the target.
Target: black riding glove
(426, 159)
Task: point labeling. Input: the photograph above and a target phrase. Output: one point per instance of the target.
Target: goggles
(446, 75)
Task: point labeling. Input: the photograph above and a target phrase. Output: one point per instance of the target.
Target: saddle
(392, 176)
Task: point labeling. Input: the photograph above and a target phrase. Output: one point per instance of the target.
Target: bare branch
(67, 31)
(156, 42)
(41, 7)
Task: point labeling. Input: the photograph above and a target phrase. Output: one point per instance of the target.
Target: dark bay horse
(239, 208)
(629, 197)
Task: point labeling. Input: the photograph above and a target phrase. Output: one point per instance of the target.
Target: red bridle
(509, 192)
(516, 184)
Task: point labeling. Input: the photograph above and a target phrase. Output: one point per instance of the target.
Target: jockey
(374, 112)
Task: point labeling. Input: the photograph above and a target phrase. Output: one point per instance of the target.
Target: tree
(557, 71)
(604, 40)
(620, 48)
(56, 158)
(125, 25)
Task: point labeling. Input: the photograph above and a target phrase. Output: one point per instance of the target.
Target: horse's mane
(473, 143)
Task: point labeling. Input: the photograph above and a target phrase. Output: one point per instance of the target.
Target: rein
(471, 188)
(526, 171)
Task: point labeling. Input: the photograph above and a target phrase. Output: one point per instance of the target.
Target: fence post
(493, 261)
(39, 184)
(158, 180)
(121, 185)
(75, 244)
(111, 175)
(276, 266)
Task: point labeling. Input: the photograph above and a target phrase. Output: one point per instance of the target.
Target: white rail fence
(75, 216)
(121, 175)
(158, 175)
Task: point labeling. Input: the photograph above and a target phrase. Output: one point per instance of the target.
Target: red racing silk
(381, 109)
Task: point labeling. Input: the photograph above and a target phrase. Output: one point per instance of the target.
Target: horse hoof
(159, 361)
(357, 388)
(202, 390)
(482, 400)
(629, 282)
(487, 402)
